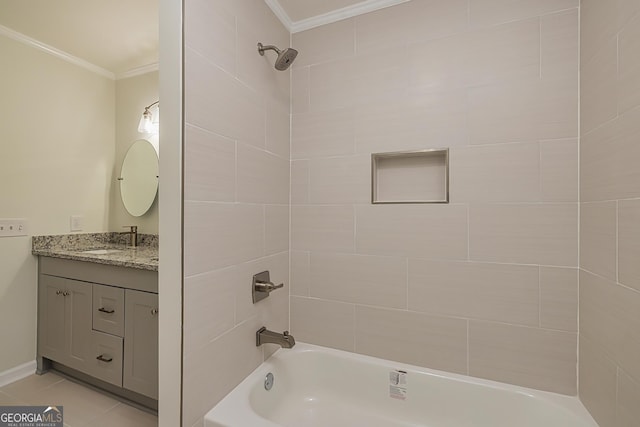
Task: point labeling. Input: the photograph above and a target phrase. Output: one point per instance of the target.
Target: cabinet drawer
(105, 362)
(108, 309)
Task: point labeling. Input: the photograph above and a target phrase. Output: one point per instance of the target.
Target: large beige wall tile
(359, 79)
(597, 383)
(325, 43)
(424, 118)
(324, 228)
(211, 298)
(609, 318)
(261, 177)
(497, 173)
(629, 66)
(300, 273)
(205, 82)
(369, 280)
(410, 22)
(598, 88)
(300, 90)
(559, 298)
(505, 293)
(324, 133)
(627, 409)
(337, 180)
(598, 225)
(492, 12)
(327, 323)
(219, 235)
(559, 44)
(523, 111)
(299, 182)
(629, 243)
(559, 170)
(529, 234)
(211, 30)
(415, 338)
(505, 52)
(210, 166)
(598, 25)
(276, 229)
(422, 231)
(237, 349)
(278, 131)
(609, 158)
(529, 357)
(439, 64)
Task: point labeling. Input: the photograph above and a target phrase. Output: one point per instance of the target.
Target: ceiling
(116, 35)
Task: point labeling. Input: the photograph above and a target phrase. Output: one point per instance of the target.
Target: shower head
(285, 57)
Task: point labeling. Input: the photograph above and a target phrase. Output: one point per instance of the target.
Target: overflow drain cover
(268, 381)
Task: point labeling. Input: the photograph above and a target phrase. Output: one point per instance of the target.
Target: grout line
(540, 45)
(617, 241)
(539, 297)
(468, 351)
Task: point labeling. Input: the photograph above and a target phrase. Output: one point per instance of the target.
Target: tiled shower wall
(236, 187)
(487, 284)
(610, 212)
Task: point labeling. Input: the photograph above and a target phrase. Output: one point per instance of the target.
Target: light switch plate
(76, 223)
(13, 227)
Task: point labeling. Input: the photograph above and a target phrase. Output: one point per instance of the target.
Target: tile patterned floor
(83, 407)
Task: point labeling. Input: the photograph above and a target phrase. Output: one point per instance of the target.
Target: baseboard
(17, 373)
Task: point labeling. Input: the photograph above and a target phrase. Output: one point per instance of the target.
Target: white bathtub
(321, 387)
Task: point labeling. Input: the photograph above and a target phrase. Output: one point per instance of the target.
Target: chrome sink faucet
(265, 336)
(133, 235)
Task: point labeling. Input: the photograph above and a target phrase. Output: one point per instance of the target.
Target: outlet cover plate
(13, 227)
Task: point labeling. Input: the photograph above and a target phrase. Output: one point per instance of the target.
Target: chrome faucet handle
(267, 286)
(262, 285)
(132, 228)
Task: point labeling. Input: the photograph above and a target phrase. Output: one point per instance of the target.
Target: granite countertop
(75, 247)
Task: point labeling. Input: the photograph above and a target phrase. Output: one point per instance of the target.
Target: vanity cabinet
(141, 348)
(65, 310)
(101, 321)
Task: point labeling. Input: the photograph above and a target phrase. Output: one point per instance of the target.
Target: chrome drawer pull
(104, 310)
(154, 311)
(66, 293)
(103, 359)
(59, 292)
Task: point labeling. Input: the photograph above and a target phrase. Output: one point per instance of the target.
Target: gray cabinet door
(78, 324)
(51, 314)
(141, 343)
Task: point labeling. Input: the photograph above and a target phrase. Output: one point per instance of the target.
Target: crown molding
(283, 16)
(22, 38)
(138, 71)
(329, 17)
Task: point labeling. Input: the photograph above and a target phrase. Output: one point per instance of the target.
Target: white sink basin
(102, 251)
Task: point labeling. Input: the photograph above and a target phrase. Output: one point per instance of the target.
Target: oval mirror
(139, 177)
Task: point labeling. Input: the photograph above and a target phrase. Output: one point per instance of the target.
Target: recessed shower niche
(410, 176)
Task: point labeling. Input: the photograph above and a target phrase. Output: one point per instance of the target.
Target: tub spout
(265, 336)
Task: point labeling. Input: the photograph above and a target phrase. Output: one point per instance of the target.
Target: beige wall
(132, 95)
(57, 137)
(610, 211)
(487, 284)
(236, 191)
